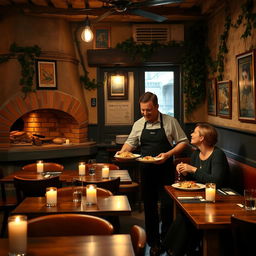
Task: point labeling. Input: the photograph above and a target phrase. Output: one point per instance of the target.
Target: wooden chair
(138, 236)
(67, 191)
(7, 204)
(34, 187)
(68, 225)
(243, 232)
(47, 167)
(110, 184)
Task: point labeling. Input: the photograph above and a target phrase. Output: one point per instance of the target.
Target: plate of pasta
(126, 155)
(188, 185)
(149, 159)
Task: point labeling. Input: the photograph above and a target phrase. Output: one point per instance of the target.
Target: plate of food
(149, 159)
(126, 155)
(188, 185)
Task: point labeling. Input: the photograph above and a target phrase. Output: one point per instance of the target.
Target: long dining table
(115, 205)
(210, 218)
(113, 245)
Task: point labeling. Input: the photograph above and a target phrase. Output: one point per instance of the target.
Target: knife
(189, 197)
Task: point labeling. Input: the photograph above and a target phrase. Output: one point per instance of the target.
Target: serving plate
(156, 159)
(200, 186)
(126, 158)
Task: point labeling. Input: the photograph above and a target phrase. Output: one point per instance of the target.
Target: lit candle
(210, 192)
(67, 141)
(105, 172)
(91, 194)
(17, 230)
(81, 168)
(40, 166)
(51, 196)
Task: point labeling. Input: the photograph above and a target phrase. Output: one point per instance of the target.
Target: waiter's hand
(164, 157)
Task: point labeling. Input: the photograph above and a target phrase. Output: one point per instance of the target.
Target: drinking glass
(250, 199)
(77, 191)
(91, 163)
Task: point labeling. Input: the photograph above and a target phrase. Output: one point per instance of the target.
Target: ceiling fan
(121, 6)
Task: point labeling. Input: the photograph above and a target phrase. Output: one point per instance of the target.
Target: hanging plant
(141, 51)
(26, 57)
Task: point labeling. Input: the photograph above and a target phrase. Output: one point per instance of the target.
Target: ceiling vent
(148, 33)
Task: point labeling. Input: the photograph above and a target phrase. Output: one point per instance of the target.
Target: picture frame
(117, 86)
(101, 38)
(246, 86)
(46, 74)
(211, 96)
(224, 99)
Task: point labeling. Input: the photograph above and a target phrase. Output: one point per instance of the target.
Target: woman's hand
(184, 168)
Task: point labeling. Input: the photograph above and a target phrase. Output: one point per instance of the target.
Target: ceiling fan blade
(154, 3)
(150, 15)
(103, 16)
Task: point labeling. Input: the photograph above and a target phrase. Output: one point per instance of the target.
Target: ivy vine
(141, 51)
(26, 57)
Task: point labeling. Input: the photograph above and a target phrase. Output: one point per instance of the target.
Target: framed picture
(101, 38)
(46, 74)
(211, 96)
(117, 86)
(246, 86)
(224, 99)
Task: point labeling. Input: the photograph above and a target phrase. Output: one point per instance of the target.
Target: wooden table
(106, 206)
(210, 217)
(114, 245)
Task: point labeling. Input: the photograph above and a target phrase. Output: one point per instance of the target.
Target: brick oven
(49, 114)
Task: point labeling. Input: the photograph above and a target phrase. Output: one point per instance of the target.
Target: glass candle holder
(105, 172)
(210, 192)
(81, 168)
(17, 230)
(91, 194)
(39, 166)
(51, 196)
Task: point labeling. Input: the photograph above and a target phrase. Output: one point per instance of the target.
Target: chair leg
(4, 223)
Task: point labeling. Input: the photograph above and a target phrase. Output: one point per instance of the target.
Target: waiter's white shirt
(173, 131)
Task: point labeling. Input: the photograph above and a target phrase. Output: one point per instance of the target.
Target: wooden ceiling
(77, 10)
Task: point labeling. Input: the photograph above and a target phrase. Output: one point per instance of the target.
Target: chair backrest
(68, 225)
(138, 236)
(47, 167)
(67, 191)
(34, 187)
(110, 184)
(99, 166)
(243, 232)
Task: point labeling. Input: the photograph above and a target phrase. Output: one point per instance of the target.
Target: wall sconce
(87, 34)
(117, 86)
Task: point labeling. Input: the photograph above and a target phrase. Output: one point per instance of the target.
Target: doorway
(164, 81)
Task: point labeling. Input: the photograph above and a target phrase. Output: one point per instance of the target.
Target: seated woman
(208, 164)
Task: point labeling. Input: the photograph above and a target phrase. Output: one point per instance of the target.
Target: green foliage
(194, 67)
(26, 58)
(88, 83)
(141, 51)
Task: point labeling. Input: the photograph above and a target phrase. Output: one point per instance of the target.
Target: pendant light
(87, 34)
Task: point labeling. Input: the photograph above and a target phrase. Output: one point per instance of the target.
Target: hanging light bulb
(87, 34)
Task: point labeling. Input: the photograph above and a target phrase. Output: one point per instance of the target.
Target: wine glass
(91, 163)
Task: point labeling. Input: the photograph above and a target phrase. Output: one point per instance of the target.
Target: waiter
(156, 133)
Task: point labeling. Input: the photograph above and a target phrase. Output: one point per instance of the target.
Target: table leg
(211, 245)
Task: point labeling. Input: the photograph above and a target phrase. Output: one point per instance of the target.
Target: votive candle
(210, 192)
(51, 196)
(40, 166)
(105, 172)
(81, 168)
(17, 231)
(91, 194)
